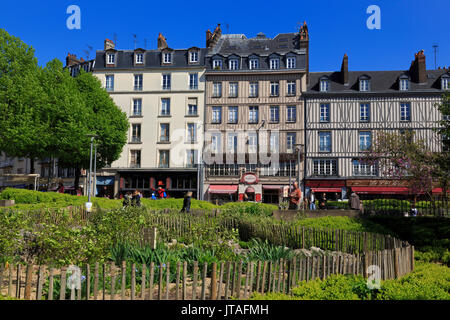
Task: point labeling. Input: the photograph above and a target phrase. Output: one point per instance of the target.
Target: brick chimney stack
(71, 60)
(162, 43)
(418, 69)
(344, 70)
(303, 43)
(208, 37)
(109, 44)
(211, 40)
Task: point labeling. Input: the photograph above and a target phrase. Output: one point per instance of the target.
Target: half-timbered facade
(253, 114)
(344, 110)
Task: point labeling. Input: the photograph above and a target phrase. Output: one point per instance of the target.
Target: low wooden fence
(209, 281)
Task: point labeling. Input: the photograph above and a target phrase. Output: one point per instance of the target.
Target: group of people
(132, 199)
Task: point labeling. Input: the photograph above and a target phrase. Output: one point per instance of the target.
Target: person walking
(126, 200)
(136, 200)
(355, 203)
(295, 197)
(323, 202)
(312, 200)
(187, 202)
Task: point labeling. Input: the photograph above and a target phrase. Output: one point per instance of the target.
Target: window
(274, 89)
(364, 85)
(365, 140)
(215, 143)
(325, 167)
(166, 81)
(216, 115)
(254, 64)
(138, 82)
(232, 114)
(274, 114)
(252, 142)
(232, 142)
(253, 89)
(137, 107)
(364, 169)
(325, 141)
(167, 57)
(193, 57)
(139, 58)
(291, 88)
(324, 85)
(193, 81)
(164, 132)
(275, 63)
(291, 113)
(445, 83)
(192, 106)
(233, 89)
(136, 133)
(274, 145)
(217, 89)
(324, 112)
(233, 64)
(364, 112)
(191, 132)
(404, 84)
(110, 83)
(111, 58)
(164, 158)
(291, 138)
(405, 111)
(290, 63)
(135, 158)
(191, 158)
(165, 107)
(217, 64)
(253, 115)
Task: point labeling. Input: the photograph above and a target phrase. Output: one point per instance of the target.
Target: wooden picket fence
(213, 281)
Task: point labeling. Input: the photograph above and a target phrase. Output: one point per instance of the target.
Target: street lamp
(299, 148)
(89, 203)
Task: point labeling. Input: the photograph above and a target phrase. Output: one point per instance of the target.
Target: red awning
(272, 187)
(326, 189)
(381, 190)
(250, 190)
(439, 190)
(222, 189)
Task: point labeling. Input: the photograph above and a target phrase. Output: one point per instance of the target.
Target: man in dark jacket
(187, 202)
(354, 201)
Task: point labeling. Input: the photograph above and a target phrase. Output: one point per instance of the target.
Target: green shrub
(264, 251)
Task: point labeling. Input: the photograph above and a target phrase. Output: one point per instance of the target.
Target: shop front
(333, 189)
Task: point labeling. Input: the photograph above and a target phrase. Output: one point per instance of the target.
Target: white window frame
(290, 62)
(364, 85)
(252, 146)
(139, 58)
(217, 89)
(274, 63)
(138, 82)
(274, 85)
(111, 58)
(405, 110)
(274, 111)
(325, 141)
(274, 144)
(445, 83)
(136, 132)
(364, 112)
(160, 164)
(167, 57)
(216, 115)
(233, 64)
(365, 140)
(253, 64)
(253, 114)
(324, 113)
(291, 88)
(193, 81)
(324, 85)
(253, 89)
(137, 104)
(232, 142)
(217, 63)
(233, 89)
(164, 138)
(325, 167)
(215, 143)
(291, 116)
(404, 84)
(291, 140)
(166, 81)
(165, 107)
(109, 86)
(191, 132)
(233, 114)
(193, 56)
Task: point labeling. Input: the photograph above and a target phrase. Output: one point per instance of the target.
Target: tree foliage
(443, 158)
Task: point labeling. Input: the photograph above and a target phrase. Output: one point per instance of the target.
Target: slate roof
(152, 59)
(385, 82)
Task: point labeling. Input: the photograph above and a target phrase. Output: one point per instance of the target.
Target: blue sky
(336, 27)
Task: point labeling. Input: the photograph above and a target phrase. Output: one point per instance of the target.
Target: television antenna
(435, 47)
(115, 40)
(135, 40)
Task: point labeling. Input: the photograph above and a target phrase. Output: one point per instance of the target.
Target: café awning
(326, 189)
(381, 190)
(272, 187)
(222, 188)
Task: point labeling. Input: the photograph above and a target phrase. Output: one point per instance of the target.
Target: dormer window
(254, 64)
(167, 57)
(217, 64)
(233, 64)
(324, 85)
(274, 63)
(404, 83)
(111, 58)
(290, 63)
(364, 83)
(193, 56)
(139, 58)
(445, 82)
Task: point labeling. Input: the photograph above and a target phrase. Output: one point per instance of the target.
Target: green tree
(442, 159)
(23, 129)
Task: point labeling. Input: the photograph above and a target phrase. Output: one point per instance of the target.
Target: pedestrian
(126, 200)
(295, 197)
(161, 193)
(187, 202)
(60, 188)
(355, 203)
(153, 195)
(312, 200)
(136, 200)
(323, 202)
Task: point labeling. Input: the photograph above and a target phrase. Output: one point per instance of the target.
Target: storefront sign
(249, 178)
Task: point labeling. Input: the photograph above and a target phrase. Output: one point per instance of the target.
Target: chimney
(162, 43)
(344, 70)
(71, 60)
(214, 38)
(109, 44)
(303, 43)
(418, 69)
(208, 37)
